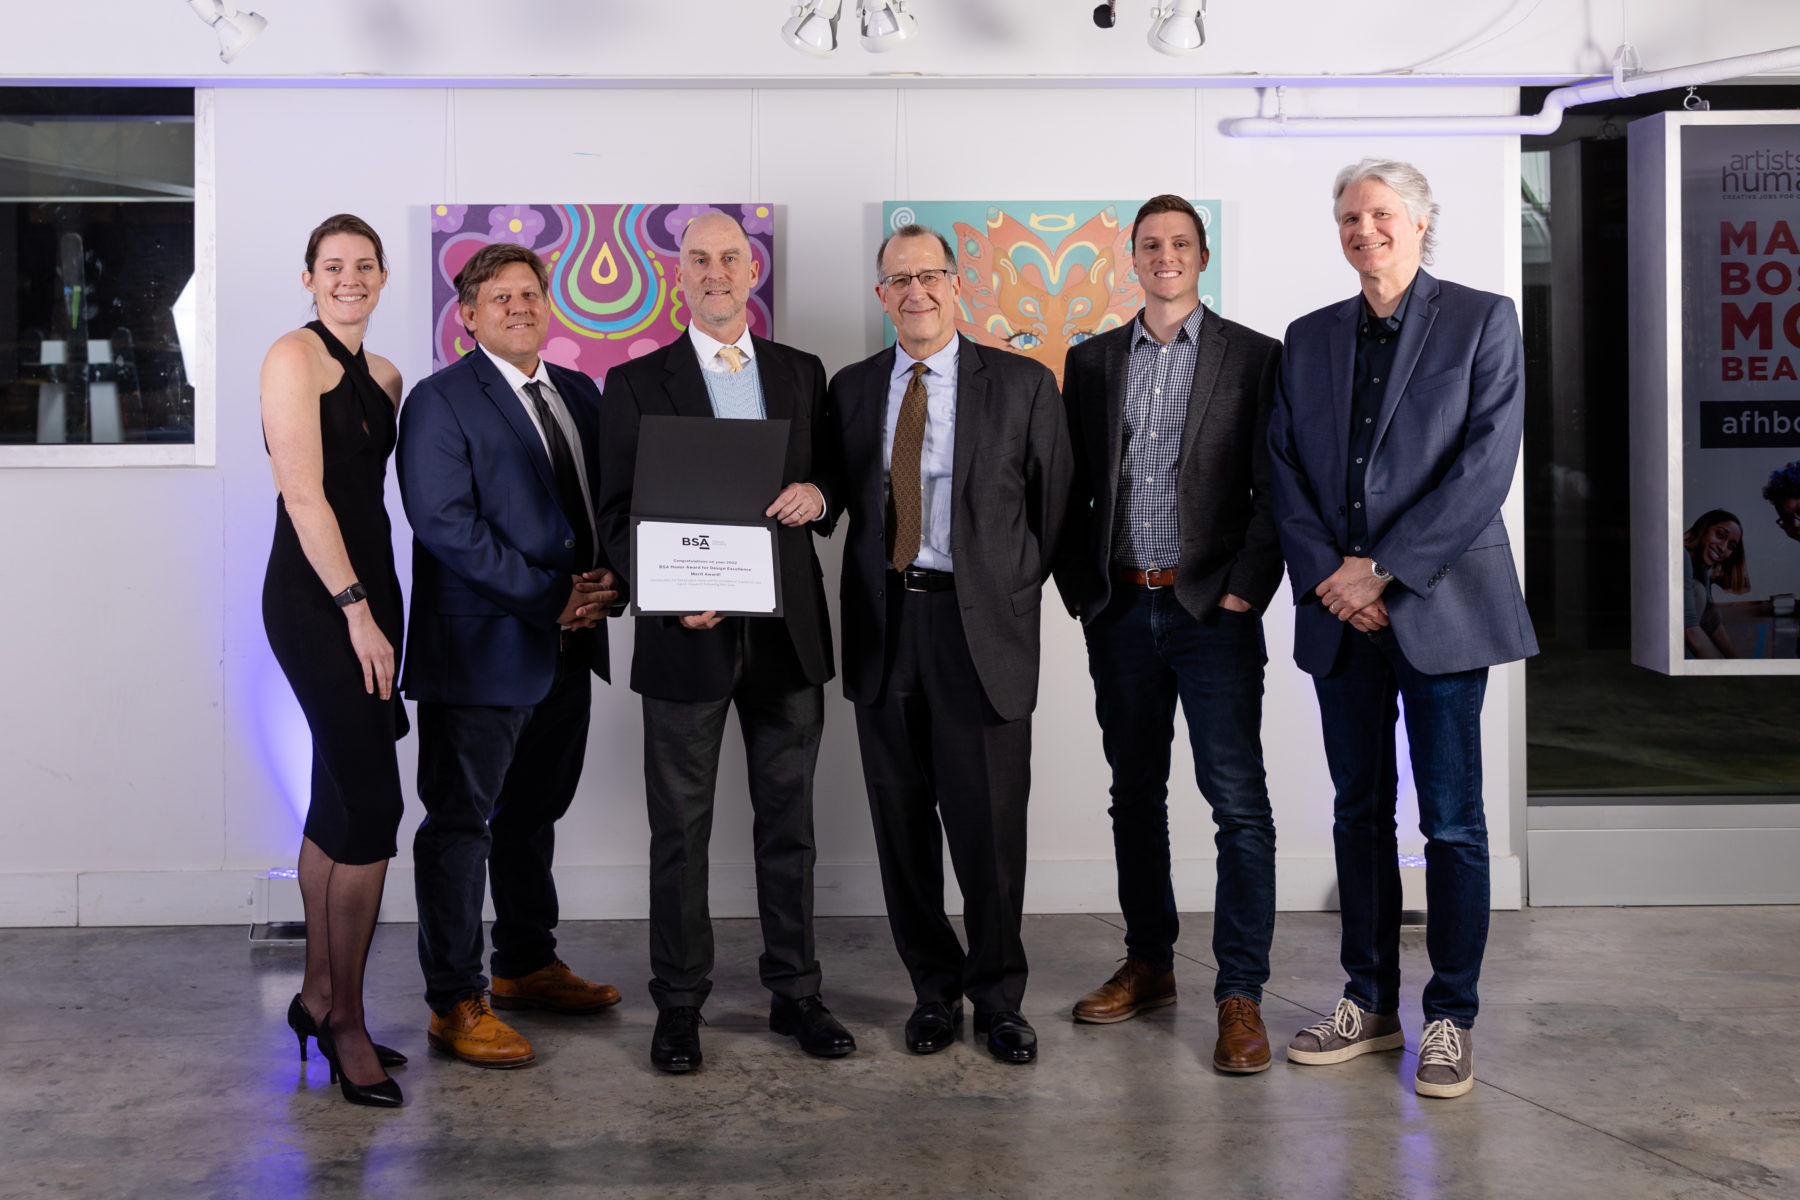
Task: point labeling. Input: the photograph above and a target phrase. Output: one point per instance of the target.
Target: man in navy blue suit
(510, 586)
(1393, 443)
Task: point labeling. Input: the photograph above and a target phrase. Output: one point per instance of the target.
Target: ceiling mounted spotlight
(813, 27)
(236, 29)
(886, 24)
(1178, 27)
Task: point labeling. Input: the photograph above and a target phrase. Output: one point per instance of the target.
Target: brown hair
(488, 262)
(907, 231)
(343, 223)
(1166, 203)
(1734, 573)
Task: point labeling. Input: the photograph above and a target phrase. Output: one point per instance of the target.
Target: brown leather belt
(1154, 579)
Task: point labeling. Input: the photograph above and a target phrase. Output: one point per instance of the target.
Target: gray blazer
(1446, 445)
(1228, 541)
(1009, 501)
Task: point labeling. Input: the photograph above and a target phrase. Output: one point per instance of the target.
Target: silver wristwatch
(1380, 572)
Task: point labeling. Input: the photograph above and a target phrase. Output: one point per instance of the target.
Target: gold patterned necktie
(905, 490)
(734, 359)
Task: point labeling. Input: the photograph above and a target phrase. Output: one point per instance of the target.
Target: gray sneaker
(1346, 1034)
(1446, 1061)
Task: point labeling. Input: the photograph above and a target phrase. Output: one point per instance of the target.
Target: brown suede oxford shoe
(554, 988)
(1132, 988)
(474, 1034)
(1243, 1047)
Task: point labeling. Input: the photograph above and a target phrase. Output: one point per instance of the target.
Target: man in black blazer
(956, 481)
(690, 670)
(509, 587)
(1172, 556)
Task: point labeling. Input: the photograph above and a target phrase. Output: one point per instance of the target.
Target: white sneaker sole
(1325, 1058)
(1445, 1091)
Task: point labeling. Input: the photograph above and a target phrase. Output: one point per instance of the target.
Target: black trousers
(494, 782)
(782, 717)
(934, 751)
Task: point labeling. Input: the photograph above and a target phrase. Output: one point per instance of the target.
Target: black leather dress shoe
(932, 1026)
(675, 1046)
(1010, 1037)
(810, 1023)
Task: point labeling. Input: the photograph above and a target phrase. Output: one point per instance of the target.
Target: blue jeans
(1443, 729)
(1144, 651)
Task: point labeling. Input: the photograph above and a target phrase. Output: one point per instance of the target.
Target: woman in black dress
(331, 606)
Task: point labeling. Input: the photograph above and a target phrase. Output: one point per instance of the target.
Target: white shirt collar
(515, 378)
(943, 362)
(706, 347)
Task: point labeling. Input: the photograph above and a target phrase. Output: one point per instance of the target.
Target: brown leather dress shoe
(474, 1034)
(554, 988)
(1243, 1047)
(1132, 988)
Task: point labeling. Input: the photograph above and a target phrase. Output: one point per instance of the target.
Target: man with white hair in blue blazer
(1393, 444)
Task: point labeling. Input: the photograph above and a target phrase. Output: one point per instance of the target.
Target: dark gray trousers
(781, 717)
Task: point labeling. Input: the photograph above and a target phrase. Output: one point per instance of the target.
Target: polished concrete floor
(1625, 1053)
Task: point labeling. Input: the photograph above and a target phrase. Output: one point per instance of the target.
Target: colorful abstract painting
(612, 274)
(1041, 276)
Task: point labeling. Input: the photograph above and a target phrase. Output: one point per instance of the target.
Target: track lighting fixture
(813, 27)
(236, 29)
(1178, 26)
(886, 24)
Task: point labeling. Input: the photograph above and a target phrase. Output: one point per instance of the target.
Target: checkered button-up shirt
(1146, 531)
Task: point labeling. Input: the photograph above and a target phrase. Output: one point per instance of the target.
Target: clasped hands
(1352, 593)
(798, 504)
(590, 599)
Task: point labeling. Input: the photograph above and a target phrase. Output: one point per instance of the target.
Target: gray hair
(1408, 182)
(917, 231)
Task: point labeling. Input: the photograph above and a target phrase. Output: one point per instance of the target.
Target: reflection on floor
(1597, 725)
(1625, 1053)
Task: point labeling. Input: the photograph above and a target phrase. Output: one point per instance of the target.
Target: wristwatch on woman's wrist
(351, 595)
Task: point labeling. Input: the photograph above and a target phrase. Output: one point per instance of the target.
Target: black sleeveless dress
(356, 802)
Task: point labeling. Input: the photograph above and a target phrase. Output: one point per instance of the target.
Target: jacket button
(1340, 510)
(568, 543)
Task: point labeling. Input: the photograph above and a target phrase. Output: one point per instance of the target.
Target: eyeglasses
(926, 279)
(1789, 520)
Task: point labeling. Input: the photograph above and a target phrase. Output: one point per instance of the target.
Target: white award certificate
(698, 566)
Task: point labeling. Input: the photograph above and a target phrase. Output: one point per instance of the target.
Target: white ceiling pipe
(1547, 121)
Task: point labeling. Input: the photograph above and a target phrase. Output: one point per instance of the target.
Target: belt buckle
(913, 580)
(1155, 587)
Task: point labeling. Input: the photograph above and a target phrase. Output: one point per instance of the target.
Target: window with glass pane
(96, 266)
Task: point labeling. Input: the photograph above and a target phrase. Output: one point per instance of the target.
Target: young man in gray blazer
(1171, 559)
(956, 480)
(1394, 441)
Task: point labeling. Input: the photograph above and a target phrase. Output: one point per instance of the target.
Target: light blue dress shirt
(937, 454)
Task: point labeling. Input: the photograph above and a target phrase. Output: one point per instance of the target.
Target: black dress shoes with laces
(810, 1023)
(932, 1026)
(1009, 1036)
(675, 1046)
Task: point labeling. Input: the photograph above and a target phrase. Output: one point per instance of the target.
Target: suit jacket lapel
(1209, 358)
(587, 425)
(868, 427)
(780, 392)
(1421, 312)
(513, 411)
(971, 410)
(1118, 370)
(683, 383)
(1343, 380)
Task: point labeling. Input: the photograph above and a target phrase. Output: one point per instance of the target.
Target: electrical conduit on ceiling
(1546, 121)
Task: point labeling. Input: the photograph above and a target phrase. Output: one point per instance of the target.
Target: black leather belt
(923, 579)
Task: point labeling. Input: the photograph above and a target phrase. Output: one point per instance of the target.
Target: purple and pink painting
(612, 274)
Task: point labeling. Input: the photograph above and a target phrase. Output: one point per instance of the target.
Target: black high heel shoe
(302, 1023)
(385, 1094)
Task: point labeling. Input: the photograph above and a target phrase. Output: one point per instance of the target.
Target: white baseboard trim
(600, 893)
(1664, 866)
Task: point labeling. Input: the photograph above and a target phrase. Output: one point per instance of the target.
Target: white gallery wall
(152, 761)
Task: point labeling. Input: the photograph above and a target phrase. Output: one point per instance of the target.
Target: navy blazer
(671, 662)
(1446, 446)
(493, 553)
(1009, 500)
